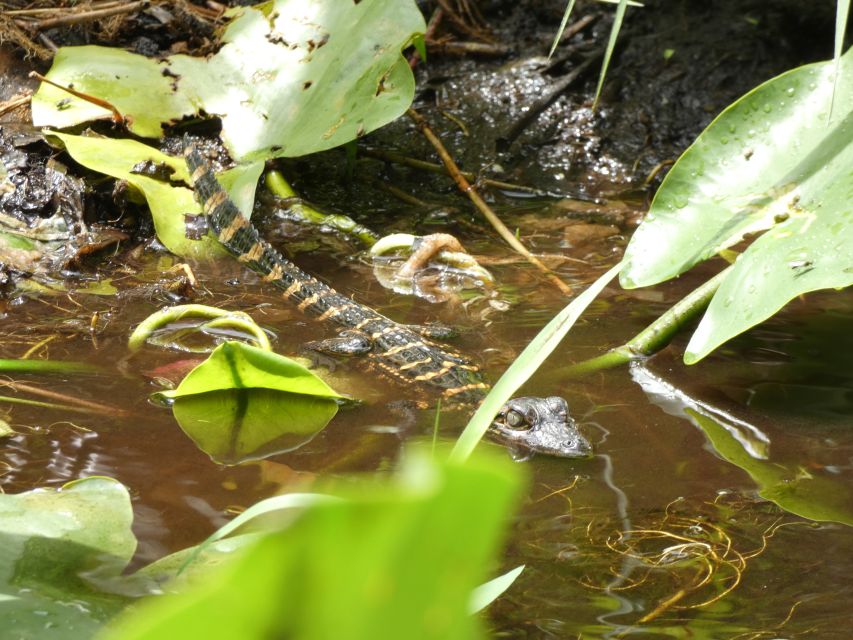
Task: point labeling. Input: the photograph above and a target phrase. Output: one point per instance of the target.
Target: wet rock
(581, 234)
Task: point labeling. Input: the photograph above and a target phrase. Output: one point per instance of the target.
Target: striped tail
(243, 241)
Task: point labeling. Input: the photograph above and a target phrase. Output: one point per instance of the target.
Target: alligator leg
(326, 352)
(433, 331)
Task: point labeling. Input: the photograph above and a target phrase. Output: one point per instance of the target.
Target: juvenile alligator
(397, 351)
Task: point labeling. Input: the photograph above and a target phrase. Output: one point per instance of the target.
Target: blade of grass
(842, 12)
(47, 366)
(562, 28)
(46, 405)
(276, 503)
(488, 592)
(525, 365)
(611, 45)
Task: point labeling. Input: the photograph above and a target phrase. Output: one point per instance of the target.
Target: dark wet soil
(790, 378)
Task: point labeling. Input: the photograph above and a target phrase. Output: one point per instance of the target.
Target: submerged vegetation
(407, 552)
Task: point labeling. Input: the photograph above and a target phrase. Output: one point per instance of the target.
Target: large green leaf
(397, 561)
(54, 546)
(292, 77)
(235, 365)
(772, 159)
(246, 403)
(168, 200)
(237, 425)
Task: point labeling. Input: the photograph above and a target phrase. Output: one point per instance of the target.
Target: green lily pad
(236, 425)
(775, 159)
(55, 546)
(235, 365)
(245, 403)
(292, 77)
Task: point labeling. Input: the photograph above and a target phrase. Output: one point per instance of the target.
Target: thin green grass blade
(611, 45)
(842, 12)
(487, 593)
(48, 366)
(562, 28)
(525, 365)
(276, 503)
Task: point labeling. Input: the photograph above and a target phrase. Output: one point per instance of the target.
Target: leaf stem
(654, 337)
(218, 318)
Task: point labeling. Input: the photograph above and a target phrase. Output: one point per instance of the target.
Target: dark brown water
(656, 535)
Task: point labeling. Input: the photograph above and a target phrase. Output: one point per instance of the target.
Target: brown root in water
(705, 561)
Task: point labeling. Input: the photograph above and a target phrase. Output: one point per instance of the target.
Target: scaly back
(397, 351)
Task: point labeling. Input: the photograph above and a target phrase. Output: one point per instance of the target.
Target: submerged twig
(13, 103)
(578, 25)
(472, 193)
(454, 47)
(398, 193)
(88, 405)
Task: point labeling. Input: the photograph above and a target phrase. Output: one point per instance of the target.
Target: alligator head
(541, 425)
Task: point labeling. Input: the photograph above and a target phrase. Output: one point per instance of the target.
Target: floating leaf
(235, 365)
(237, 425)
(54, 544)
(772, 159)
(292, 77)
(245, 403)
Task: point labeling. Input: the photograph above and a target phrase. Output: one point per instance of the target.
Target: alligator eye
(516, 420)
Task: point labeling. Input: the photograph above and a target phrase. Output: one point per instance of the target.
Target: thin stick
(49, 10)
(461, 24)
(88, 405)
(454, 47)
(13, 103)
(398, 193)
(46, 405)
(86, 16)
(468, 189)
(117, 117)
(578, 26)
